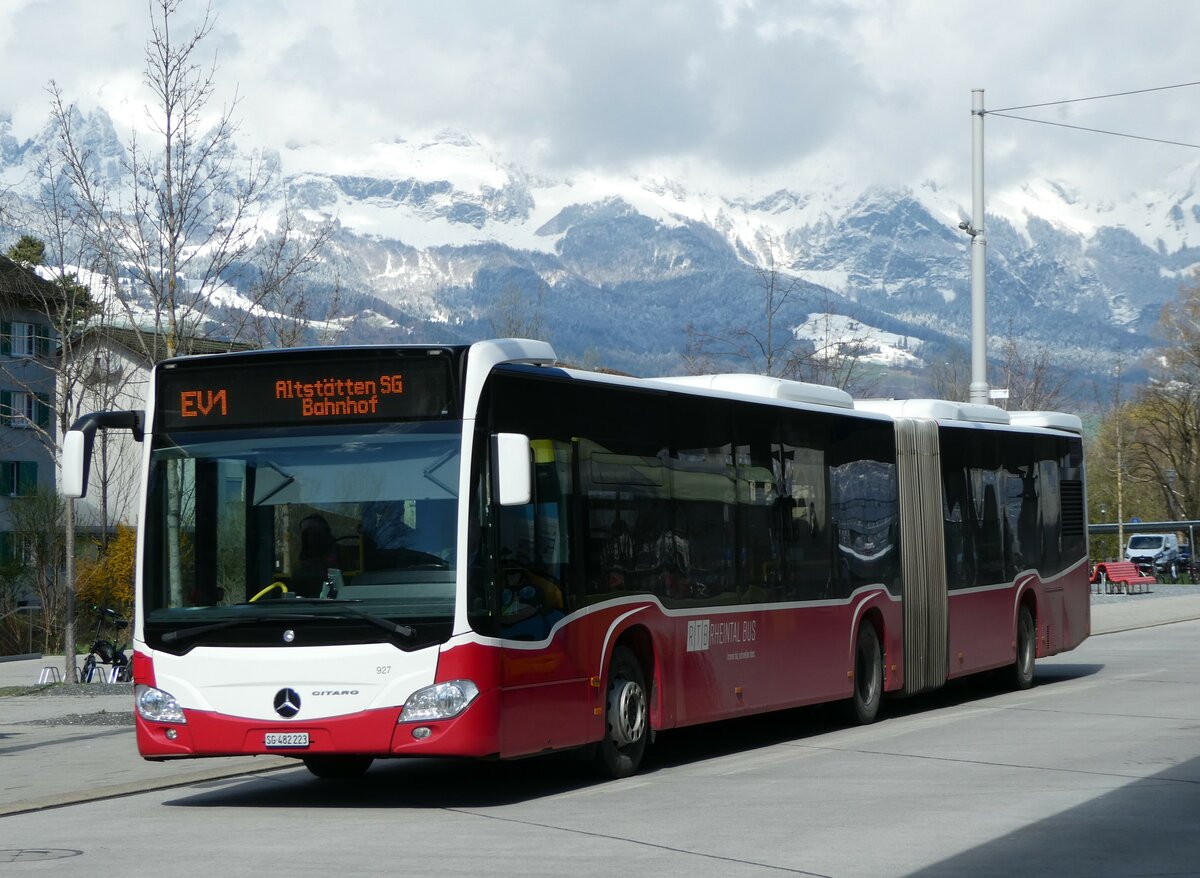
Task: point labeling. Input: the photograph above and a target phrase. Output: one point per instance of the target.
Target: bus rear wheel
(338, 767)
(626, 717)
(868, 676)
(1021, 672)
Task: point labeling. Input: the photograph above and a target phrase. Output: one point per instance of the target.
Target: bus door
(546, 699)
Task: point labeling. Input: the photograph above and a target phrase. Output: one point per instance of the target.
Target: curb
(1140, 625)
(29, 656)
(115, 791)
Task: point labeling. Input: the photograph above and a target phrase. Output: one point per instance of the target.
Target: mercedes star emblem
(287, 703)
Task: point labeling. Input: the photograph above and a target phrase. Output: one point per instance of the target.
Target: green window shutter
(6, 479)
(5, 337)
(6, 546)
(41, 411)
(41, 341)
(26, 478)
(5, 406)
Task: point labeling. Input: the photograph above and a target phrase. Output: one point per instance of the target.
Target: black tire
(868, 676)
(338, 767)
(88, 671)
(626, 717)
(1021, 672)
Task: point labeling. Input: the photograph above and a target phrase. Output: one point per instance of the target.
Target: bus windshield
(335, 530)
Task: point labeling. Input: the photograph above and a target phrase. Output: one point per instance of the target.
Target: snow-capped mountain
(442, 239)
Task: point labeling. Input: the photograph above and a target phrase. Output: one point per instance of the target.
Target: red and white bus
(365, 552)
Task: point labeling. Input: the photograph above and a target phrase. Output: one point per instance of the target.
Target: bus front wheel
(338, 767)
(626, 717)
(868, 675)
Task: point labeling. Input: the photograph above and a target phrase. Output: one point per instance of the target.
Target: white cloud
(751, 93)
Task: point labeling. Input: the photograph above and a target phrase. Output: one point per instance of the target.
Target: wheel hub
(626, 712)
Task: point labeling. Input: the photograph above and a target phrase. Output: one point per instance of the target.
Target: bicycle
(107, 652)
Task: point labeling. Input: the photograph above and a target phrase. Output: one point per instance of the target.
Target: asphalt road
(1093, 772)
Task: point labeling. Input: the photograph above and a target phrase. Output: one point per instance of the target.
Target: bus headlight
(157, 706)
(440, 701)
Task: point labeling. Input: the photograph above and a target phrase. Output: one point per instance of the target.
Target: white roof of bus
(765, 387)
(781, 389)
(948, 410)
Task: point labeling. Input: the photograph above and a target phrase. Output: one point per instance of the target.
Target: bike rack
(49, 674)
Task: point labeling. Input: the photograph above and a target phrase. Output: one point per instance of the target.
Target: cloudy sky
(741, 95)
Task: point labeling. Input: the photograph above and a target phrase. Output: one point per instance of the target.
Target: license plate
(286, 739)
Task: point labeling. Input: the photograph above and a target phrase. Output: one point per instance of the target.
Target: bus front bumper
(473, 733)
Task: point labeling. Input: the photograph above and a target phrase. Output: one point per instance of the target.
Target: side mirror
(74, 464)
(77, 446)
(514, 468)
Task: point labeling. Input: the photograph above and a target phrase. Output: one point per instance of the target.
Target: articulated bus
(365, 552)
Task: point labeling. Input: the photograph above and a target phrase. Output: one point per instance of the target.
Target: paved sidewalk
(60, 749)
(1162, 606)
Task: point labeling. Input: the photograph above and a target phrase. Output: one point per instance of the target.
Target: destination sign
(309, 390)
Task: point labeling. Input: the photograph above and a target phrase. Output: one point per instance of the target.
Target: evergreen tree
(29, 251)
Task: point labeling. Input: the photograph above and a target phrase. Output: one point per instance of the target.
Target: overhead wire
(1006, 112)
(1119, 94)
(1095, 130)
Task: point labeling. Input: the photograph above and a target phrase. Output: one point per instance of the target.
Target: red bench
(1120, 577)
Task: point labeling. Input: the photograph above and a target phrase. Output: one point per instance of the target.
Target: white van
(1161, 550)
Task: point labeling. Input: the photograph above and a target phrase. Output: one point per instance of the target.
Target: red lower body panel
(372, 732)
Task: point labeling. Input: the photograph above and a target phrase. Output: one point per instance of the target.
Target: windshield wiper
(378, 621)
(186, 633)
(345, 604)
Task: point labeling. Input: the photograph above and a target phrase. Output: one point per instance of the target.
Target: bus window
(534, 559)
(704, 491)
(1022, 521)
(408, 534)
(864, 508)
(987, 526)
(1051, 516)
(804, 514)
(631, 547)
(960, 553)
(759, 522)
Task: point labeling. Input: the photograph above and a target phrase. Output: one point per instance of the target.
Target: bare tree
(763, 346)
(838, 353)
(1117, 486)
(284, 313)
(518, 313)
(185, 225)
(950, 376)
(769, 344)
(697, 355)
(1034, 381)
(39, 526)
(1164, 420)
